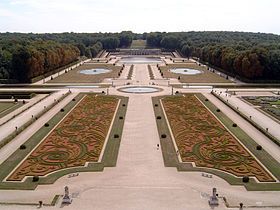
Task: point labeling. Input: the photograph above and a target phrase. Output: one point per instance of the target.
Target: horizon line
(157, 31)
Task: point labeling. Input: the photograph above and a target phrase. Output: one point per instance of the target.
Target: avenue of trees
(249, 56)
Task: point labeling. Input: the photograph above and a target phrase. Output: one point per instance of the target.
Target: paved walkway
(29, 103)
(124, 73)
(156, 72)
(26, 116)
(141, 74)
(258, 117)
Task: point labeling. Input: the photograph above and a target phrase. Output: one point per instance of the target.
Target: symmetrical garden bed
(203, 140)
(74, 76)
(78, 139)
(206, 76)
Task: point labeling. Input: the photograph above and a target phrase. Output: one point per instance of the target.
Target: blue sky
(41, 16)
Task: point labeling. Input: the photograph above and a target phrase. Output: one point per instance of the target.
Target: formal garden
(78, 139)
(184, 73)
(268, 104)
(89, 73)
(207, 140)
(203, 140)
(80, 133)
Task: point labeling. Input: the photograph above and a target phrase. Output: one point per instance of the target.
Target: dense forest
(248, 56)
(24, 57)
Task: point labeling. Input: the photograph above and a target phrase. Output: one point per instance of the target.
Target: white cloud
(6, 13)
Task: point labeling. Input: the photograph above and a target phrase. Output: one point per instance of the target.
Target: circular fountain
(95, 71)
(185, 71)
(139, 89)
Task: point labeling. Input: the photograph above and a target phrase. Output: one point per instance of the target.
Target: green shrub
(259, 147)
(35, 179)
(22, 147)
(245, 179)
(163, 136)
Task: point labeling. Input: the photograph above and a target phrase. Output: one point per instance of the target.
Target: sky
(52, 16)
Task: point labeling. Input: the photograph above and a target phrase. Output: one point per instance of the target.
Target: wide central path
(140, 75)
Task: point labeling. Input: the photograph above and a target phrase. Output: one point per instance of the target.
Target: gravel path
(258, 117)
(29, 114)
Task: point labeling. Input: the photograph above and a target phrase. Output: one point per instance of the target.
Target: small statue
(213, 201)
(66, 199)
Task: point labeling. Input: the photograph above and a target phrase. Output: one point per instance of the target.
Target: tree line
(248, 56)
(26, 56)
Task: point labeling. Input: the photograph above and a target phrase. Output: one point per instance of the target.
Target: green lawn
(5, 105)
(275, 103)
(8, 107)
(74, 76)
(138, 44)
(205, 77)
